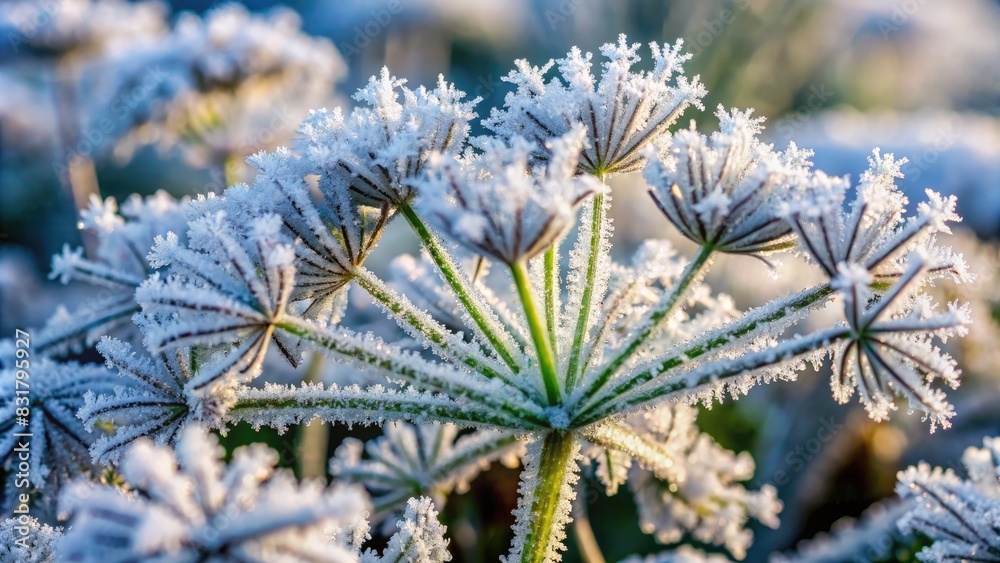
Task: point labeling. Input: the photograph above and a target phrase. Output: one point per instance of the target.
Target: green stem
(418, 320)
(723, 369)
(358, 406)
(597, 227)
(552, 294)
(739, 328)
(462, 288)
(558, 451)
(539, 335)
(661, 312)
(426, 375)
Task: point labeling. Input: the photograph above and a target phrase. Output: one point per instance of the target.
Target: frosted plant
(57, 443)
(682, 480)
(78, 26)
(411, 460)
(873, 232)
(244, 82)
(724, 191)
(578, 366)
(27, 540)
(229, 286)
(961, 516)
(188, 506)
(889, 350)
(873, 536)
(123, 240)
(381, 147)
(623, 113)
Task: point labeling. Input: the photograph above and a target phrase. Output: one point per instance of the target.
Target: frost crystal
(873, 231)
(188, 506)
(683, 481)
(575, 357)
(152, 402)
(961, 516)
(622, 113)
(36, 545)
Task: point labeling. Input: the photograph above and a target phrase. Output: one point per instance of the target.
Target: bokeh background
(919, 78)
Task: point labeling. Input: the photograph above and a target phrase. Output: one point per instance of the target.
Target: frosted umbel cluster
(561, 359)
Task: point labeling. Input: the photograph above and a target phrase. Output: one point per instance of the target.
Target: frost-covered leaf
(873, 231)
(420, 537)
(123, 240)
(725, 190)
(228, 288)
(381, 147)
(26, 540)
(684, 482)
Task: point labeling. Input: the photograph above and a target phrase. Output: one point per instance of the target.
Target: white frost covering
(682, 480)
(189, 506)
(961, 516)
(427, 459)
(499, 205)
(890, 350)
(725, 190)
(124, 237)
(57, 445)
(26, 540)
(623, 112)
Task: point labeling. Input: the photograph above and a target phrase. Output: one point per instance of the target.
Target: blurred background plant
(106, 98)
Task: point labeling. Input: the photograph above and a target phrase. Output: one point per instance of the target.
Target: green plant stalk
(664, 390)
(552, 294)
(539, 335)
(508, 409)
(555, 461)
(447, 267)
(597, 226)
(661, 312)
(337, 408)
(416, 319)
